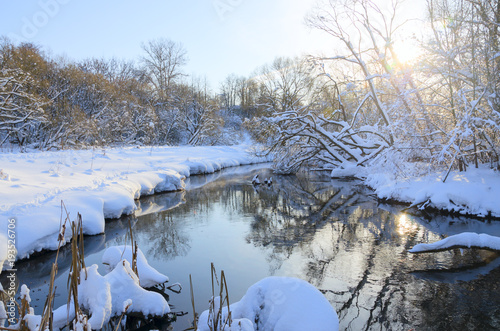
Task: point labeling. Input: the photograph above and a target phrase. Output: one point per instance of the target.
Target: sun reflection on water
(405, 225)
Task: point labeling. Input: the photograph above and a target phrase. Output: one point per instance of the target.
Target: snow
(25, 293)
(475, 191)
(466, 239)
(94, 293)
(148, 276)
(126, 305)
(125, 286)
(280, 304)
(33, 321)
(3, 251)
(98, 184)
(107, 296)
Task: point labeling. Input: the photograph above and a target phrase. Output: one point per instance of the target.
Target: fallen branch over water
(462, 240)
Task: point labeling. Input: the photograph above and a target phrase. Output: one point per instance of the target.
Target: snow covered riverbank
(98, 184)
(474, 192)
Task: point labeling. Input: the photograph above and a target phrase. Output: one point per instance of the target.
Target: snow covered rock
(33, 321)
(280, 304)
(148, 275)
(94, 294)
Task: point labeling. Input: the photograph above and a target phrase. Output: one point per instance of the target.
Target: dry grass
(195, 326)
(220, 298)
(77, 264)
(216, 309)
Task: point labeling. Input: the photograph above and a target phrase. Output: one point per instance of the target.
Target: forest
(361, 105)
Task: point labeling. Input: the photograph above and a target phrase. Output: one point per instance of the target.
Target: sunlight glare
(407, 51)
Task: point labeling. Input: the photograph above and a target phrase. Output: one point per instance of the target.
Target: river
(332, 233)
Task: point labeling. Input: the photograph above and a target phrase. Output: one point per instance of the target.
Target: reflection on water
(331, 233)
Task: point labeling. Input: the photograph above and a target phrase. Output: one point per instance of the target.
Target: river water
(331, 233)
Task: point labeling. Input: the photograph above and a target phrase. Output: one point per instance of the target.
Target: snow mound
(125, 286)
(148, 276)
(466, 239)
(106, 296)
(280, 304)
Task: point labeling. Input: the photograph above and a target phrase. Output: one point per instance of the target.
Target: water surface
(331, 233)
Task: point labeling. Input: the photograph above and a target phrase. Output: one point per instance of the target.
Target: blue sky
(220, 36)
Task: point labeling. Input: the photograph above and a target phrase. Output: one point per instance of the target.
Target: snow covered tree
(199, 115)
(381, 89)
(462, 59)
(21, 112)
(364, 105)
(162, 68)
(374, 109)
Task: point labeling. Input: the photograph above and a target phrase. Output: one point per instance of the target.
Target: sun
(407, 51)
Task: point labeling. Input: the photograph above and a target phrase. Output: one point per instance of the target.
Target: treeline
(361, 106)
(51, 102)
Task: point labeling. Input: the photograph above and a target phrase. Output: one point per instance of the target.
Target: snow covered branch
(462, 240)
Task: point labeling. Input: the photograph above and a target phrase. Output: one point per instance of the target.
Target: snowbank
(466, 239)
(476, 191)
(97, 183)
(280, 304)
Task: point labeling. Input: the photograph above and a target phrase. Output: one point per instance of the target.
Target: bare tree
(163, 63)
(229, 90)
(375, 109)
(286, 83)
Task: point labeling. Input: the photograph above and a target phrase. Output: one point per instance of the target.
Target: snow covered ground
(98, 184)
(475, 192)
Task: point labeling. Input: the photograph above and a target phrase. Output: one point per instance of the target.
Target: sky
(221, 36)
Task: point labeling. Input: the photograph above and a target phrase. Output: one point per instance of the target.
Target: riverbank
(97, 183)
(474, 192)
